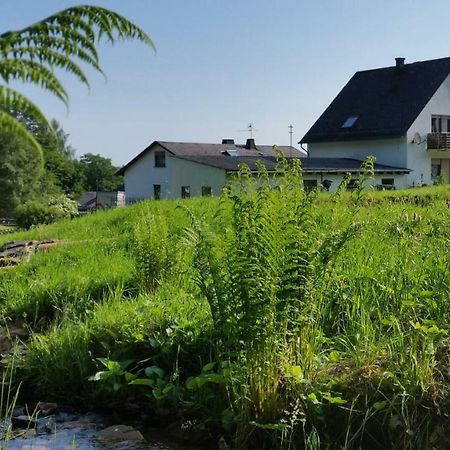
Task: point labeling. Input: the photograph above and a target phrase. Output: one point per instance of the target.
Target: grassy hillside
(278, 319)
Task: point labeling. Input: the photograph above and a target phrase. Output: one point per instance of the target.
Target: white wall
(142, 175)
(401, 152)
(400, 180)
(419, 158)
(194, 175)
(391, 152)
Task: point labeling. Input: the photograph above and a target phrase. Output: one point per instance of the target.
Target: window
(156, 191)
(440, 124)
(160, 159)
(350, 121)
(309, 185)
(327, 184)
(352, 184)
(206, 191)
(231, 152)
(435, 170)
(185, 191)
(387, 181)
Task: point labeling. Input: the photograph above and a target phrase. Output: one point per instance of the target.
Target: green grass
(6, 229)
(277, 319)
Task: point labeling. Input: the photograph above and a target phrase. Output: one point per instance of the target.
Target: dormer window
(231, 152)
(350, 121)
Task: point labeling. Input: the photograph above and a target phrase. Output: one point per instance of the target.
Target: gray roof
(212, 155)
(385, 101)
(184, 149)
(311, 165)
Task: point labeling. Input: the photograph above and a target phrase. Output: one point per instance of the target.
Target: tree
(60, 41)
(61, 167)
(100, 173)
(19, 173)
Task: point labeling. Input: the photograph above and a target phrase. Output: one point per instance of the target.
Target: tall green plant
(262, 277)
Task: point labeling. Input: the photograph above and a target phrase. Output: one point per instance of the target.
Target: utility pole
(291, 128)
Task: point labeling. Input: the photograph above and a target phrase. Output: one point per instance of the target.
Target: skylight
(350, 121)
(231, 152)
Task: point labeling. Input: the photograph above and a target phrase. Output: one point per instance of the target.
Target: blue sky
(222, 64)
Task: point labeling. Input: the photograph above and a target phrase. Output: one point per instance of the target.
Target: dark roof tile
(313, 165)
(386, 101)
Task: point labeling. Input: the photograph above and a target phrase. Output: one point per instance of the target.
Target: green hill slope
(287, 317)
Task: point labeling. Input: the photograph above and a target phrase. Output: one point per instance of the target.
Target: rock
(77, 424)
(18, 410)
(46, 408)
(25, 434)
(5, 345)
(23, 421)
(222, 444)
(121, 433)
(34, 447)
(188, 431)
(12, 253)
(10, 334)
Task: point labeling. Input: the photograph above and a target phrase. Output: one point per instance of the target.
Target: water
(71, 431)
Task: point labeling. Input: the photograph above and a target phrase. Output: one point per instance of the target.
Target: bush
(34, 212)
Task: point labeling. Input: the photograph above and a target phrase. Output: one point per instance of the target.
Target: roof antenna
(250, 129)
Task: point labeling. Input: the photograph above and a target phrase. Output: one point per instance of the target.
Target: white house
(182, 169)
(399, 114)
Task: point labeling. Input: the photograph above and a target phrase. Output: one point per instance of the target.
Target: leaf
(100, 376)
(335, 400)
(334, 356)
(208, 367)
(380, 405)
(143, 382)
(295, 371)
(129, 376)
(125, 364)
(31, 54)
(154, 370)
(191, 383)
(313, 398)
(168, 388)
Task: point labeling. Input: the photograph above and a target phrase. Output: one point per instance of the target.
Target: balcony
(438, 141)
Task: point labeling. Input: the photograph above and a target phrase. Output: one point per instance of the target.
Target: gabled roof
(186, 149)
(385, 101)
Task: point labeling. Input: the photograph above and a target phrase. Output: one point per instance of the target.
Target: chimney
(399, 62)
(250, 144)
(228, 141)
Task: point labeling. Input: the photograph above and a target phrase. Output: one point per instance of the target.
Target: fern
(60, 41)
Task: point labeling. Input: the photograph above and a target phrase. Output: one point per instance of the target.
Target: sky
(222, 64)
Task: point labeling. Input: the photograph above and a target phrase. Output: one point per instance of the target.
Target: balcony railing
(438, 141)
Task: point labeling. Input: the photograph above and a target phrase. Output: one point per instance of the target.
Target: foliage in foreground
(60, 41)
(278, 318)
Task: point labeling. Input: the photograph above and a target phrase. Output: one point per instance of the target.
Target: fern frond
(59, 41)
(9, 124)
(32, 72)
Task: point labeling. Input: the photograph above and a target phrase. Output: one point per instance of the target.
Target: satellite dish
(417, 139)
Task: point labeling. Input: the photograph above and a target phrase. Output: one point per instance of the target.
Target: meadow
(275, 318)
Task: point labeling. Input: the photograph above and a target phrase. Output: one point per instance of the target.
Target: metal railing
(438, 141)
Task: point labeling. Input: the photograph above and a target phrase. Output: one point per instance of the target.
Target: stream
(64, 431)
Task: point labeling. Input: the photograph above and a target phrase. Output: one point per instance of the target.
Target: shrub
(35, 212)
